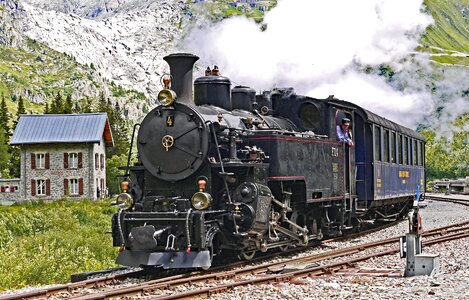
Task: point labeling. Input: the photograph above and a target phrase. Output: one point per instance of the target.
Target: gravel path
(452, 283)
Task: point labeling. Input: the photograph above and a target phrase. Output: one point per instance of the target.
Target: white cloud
(315, 46)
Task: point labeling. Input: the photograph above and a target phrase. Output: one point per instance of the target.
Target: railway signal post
(411, 246)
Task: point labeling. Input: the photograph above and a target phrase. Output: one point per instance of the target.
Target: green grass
(219, 10)
(46, 243)
(451, 28)
(452, 60)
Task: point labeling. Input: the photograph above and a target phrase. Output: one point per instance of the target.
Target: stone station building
(62, 156)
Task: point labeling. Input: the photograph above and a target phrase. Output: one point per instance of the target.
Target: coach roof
(71, 128)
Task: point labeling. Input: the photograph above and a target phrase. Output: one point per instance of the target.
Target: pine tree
(87, 106)
(103, 104)
(20, 111)
(57, 106)
(5, 156)
(68, 106)
(14, 165)
(120, 132)
(76, 107)
(21, 108)
(4, 118)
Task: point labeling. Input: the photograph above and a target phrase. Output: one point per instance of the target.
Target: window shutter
(33, 161)
(47, 161)
(65, 160)
(80, 160)
(33, 187)
(48, 187)
(80, 186)
(66, 186)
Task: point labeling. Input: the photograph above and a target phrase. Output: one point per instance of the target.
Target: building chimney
(181, 65)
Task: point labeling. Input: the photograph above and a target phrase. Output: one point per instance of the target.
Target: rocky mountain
(124, 40)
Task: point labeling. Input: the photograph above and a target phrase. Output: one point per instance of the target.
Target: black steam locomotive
(222, 170)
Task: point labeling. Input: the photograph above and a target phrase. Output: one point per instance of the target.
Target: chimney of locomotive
(181, 65)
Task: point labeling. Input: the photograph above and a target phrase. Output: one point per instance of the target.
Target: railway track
(236, 274)
(446, 199)
(80, 282)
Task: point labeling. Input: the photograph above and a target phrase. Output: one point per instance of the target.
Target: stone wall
(59, 178)
(9, 191)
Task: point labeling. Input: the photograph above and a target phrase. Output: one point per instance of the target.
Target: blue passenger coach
(389, 158)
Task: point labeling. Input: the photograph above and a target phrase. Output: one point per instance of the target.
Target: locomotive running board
(167, 260)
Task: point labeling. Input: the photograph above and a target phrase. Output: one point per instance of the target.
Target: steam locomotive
(224, 169)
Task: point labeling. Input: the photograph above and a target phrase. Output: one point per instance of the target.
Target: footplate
(168, 260)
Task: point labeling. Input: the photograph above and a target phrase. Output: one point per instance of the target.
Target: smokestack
(180, 65)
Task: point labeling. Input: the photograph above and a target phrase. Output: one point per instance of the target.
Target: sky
(321, 47)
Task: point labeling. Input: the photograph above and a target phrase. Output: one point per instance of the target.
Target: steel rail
(150, 286)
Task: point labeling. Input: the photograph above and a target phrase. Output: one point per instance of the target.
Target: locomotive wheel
(247, 255)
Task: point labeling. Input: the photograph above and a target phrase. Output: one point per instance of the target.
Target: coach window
(393, 148)
(419, 158)
(377, 143)
(386, 145)
(414, 156)
(406, 151)
(422, 153)
(399, 149)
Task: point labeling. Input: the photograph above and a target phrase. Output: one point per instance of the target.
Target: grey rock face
(124, 40)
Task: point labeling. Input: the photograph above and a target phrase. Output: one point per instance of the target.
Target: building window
(101, 161)
(73, 160)
(96, 161)
(40, 161)
(73, 186)
(40, 187)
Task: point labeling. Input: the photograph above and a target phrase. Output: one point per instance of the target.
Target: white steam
(321, 47)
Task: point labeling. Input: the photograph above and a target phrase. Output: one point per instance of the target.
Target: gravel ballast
(451, 283)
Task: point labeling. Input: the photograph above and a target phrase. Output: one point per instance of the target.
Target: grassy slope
(450, 31)
(39, 70)
(46, 243)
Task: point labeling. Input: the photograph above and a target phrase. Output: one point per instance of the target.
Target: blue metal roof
(71, 128)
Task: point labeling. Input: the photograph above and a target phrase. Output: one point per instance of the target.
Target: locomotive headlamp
(124, 201)
(125, 186)
(166, 97)
(201, 200)
(202, 183)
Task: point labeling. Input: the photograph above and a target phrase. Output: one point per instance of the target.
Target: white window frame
(40, 160)
(40, 187)
(73, 186)
(73, 160)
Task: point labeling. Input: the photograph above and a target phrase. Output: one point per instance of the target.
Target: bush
(46, 243)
